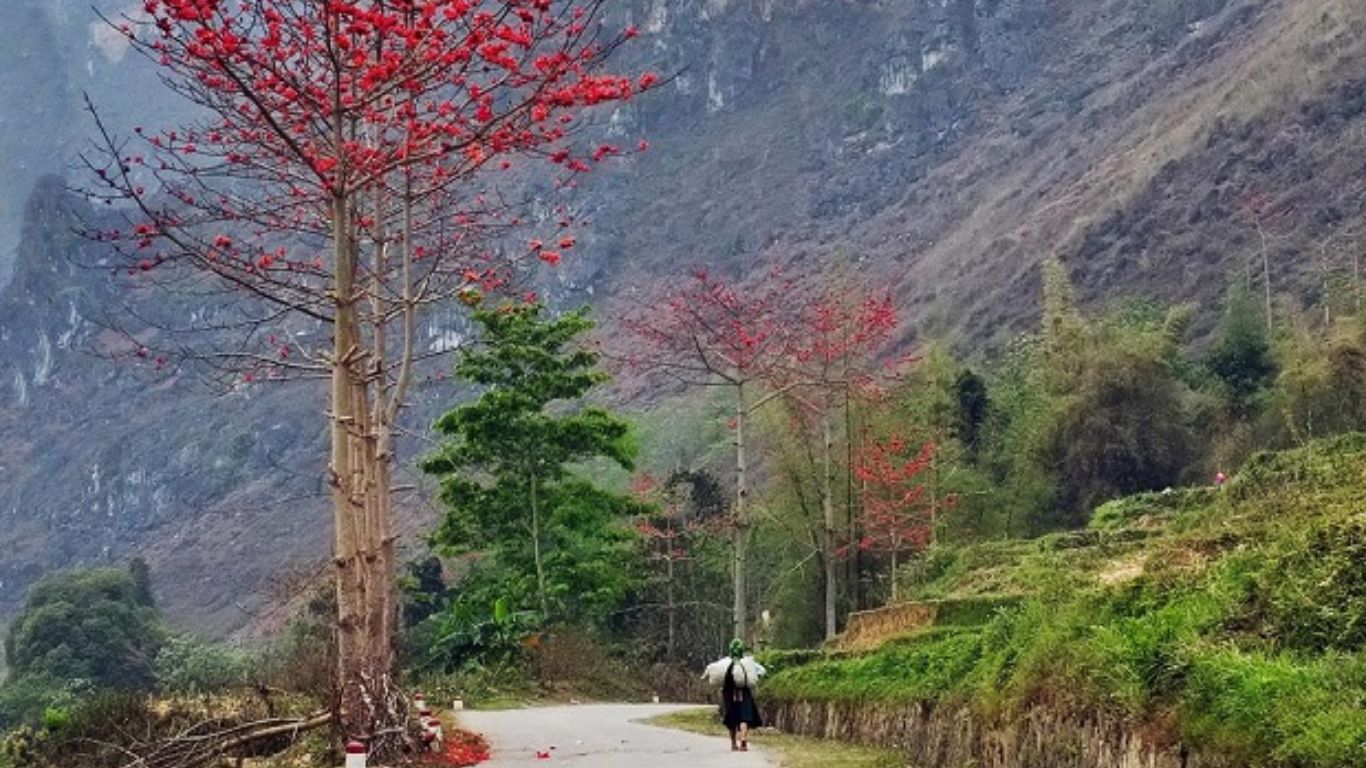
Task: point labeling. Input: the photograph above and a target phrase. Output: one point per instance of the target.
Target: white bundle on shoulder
(746, 675)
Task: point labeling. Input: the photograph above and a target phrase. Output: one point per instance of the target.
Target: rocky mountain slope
(102, 459)
(55, 52)
(219, 487)
(952, 144)
(1155, 146)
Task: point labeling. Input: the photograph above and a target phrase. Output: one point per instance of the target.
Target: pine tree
(1065, 332)
(970, 391)
(507, 460)
(1241, 357)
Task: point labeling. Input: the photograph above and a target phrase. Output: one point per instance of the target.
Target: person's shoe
(744, 746)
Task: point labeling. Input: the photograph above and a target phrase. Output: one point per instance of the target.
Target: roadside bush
(304, 659)
(918, 672)
(86, 732)
(1314, 592)
(572, 661)
(186, 665)
(1271, 710)
(781, 661)
(25, 699)
(470, 634)
(481, 687)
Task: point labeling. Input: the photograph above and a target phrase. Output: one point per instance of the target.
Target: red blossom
(896, 516)
(459, 750)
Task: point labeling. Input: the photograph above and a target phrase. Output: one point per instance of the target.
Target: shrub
(972, 611)
(87, 732)
(304, 659)
(1314, 591)
(1267, 710)
(189, 666)
(1324, 464)
(917, 672)
(25, 699)
(1151, 507)
(780, 661)
(575, 661)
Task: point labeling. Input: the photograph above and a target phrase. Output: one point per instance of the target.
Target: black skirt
(739, 707)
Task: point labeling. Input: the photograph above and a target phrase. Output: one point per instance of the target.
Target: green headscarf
(737, 648)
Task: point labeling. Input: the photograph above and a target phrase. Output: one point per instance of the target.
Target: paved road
(601, 736)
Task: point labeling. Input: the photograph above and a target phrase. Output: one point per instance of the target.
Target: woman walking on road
(738, 674)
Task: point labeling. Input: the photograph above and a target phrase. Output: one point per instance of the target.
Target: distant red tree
(668, 535)
(336, 171)
(713, 333)
(896, 517)
(840, 328)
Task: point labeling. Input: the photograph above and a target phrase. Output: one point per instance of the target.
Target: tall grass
(1244, 633)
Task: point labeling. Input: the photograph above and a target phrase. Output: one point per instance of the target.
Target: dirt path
(601, 736)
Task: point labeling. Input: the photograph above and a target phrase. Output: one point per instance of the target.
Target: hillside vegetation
(1230, 620)
(1147, 144)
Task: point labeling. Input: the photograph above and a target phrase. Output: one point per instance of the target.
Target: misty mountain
(1156, 147)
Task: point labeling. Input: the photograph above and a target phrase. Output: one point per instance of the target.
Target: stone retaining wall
(954, 737)
(867, 630)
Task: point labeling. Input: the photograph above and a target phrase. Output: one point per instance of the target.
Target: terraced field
(1231, 619)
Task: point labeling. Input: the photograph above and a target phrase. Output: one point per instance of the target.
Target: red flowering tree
(715, 334)
(336, 171)
(896, 516)
(668, 535)
(840, 330)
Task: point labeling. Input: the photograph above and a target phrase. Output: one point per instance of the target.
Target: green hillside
(1232, 619)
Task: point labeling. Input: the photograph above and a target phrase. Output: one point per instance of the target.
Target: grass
(791, 751)
(1239, 624)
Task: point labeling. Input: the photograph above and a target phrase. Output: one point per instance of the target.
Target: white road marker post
(355, 754)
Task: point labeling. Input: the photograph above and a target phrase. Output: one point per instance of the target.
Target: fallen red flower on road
(460, 749)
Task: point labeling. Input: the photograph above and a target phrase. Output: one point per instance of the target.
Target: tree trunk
(536, 552)
(671, 643)
(1356, 280)
(828, 512)
(856, 536)
(1266, 275)
(739, 536)
(895, 596)
(851, 574)
(934, 494)
(369, 704)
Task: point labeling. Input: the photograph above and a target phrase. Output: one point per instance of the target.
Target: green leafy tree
(970, 391)
(1015, 436)
(86, 625)
(1067, 337)
(424, 590)
(188, 665)
(1124, 430)
(1321, 388)
(508, 460)
(1241, 356)
(142, 581)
